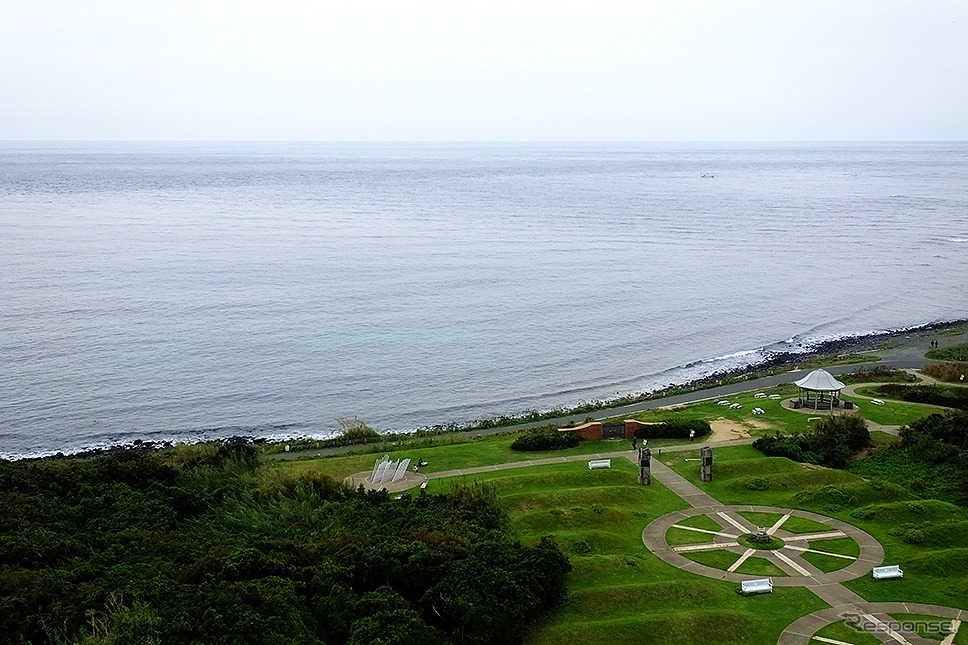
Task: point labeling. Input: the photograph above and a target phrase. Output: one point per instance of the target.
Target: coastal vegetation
(205, 544)
(931, 459)
(950, 372)
(951, 353)
(832, 443)
(949, 396)
(875, 374)
(548, 438)
(675, 429)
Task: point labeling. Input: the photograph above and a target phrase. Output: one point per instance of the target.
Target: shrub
(677, 429)
(545, 439)
(354, 430)
(951, 372)
(832, 444)
(757, 483)
(943, 395)
(876, 374)
(913, 536)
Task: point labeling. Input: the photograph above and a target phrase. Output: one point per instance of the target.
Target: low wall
(588, 431)
(631, 425)
(592, 431)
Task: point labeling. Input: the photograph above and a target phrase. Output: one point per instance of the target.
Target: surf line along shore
(901, 349)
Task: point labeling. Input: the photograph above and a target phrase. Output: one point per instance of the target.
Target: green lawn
(775, 416)
(841, 632)
(765, 520)
(676, 536)
(801, 525)
(825, 563)
(892, 413)
(620, 592)
(701, 522)
(482, 451)
(841, 359)
(840, 546)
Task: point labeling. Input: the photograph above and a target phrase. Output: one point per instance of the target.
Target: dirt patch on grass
(727, 430)
(759, 425)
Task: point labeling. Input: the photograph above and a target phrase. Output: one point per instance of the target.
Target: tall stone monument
(706, 467)
(645, 466)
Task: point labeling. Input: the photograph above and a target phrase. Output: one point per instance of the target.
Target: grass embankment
(954, 353)
(900, 466)
(619, 591)
(454, 455)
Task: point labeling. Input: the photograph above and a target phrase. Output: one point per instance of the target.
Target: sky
(495, 70)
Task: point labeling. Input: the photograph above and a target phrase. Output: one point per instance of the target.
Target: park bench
(888, 572)
(599, 463)
(760, 585)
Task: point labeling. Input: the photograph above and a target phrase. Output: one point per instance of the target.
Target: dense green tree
(197, 544)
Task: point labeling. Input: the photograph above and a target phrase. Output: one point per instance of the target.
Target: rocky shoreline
(908, 342)
(788, 361)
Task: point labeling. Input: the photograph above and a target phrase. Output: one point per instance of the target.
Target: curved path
(789, 558)
(826, 585)
(876, 614)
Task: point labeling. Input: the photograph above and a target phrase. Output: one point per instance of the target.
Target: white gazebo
(824, 388)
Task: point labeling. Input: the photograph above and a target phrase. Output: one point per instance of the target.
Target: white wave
(748, 352)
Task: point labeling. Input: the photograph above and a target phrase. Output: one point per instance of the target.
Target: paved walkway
(415, 479)
(874, 613)
(827, 586)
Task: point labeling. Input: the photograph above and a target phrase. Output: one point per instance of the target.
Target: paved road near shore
(651, 404)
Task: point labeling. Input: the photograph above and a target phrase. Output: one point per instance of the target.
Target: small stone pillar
(645, 466)
(706, 469)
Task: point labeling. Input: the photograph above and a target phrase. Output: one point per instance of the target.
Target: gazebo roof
(820, 380)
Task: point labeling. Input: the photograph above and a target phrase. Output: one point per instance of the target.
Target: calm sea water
(192, 291)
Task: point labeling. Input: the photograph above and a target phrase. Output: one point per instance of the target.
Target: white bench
(599, 463)
(760, 585)
(886, 573)
(774, 396)
(877, 402)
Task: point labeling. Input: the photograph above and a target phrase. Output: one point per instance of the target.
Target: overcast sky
(456, 70)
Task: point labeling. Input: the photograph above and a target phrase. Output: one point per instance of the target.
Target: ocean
(190, 291)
